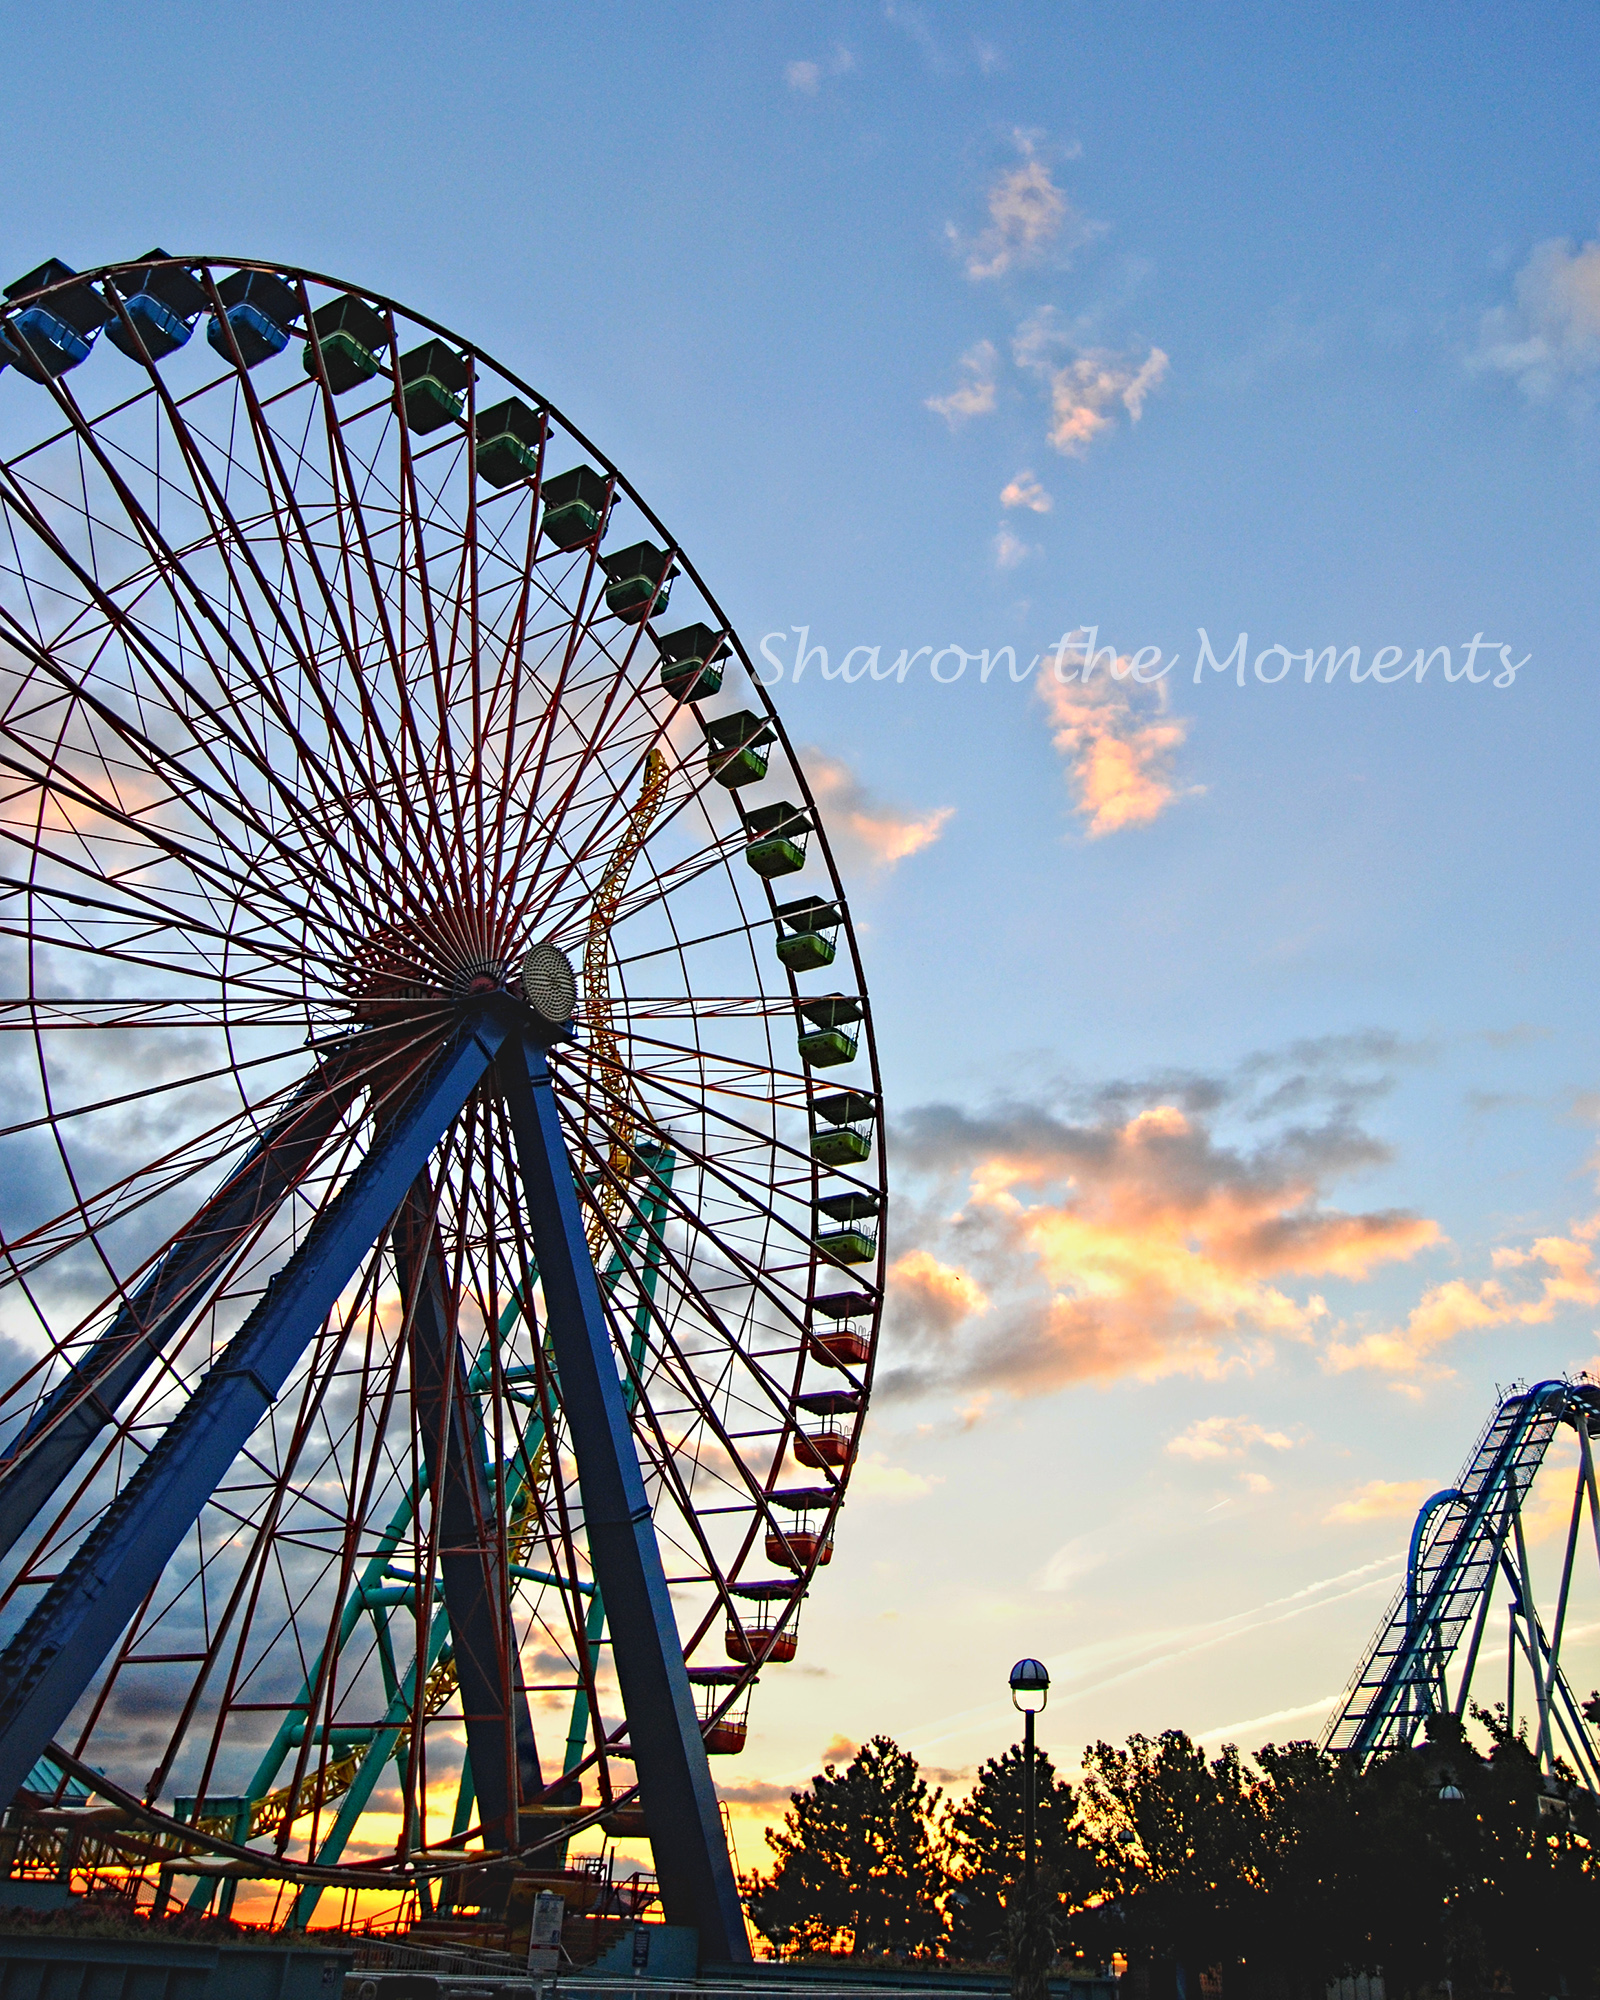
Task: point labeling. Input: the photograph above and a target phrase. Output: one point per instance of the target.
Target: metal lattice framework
(335, 678)
(1466, 1539)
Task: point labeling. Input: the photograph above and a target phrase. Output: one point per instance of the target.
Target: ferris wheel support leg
(494, 1702)
(680, 1801)
(56, 1654)
(38, 1461)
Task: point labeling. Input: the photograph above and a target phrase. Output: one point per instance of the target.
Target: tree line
(1444, 1867)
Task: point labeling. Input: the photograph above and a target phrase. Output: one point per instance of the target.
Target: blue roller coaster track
(1467, 1539)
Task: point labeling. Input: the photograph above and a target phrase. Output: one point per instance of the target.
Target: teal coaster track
(1468, 1539)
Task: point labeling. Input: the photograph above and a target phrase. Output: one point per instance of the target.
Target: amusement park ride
(1466, 1539)
(442, 1199)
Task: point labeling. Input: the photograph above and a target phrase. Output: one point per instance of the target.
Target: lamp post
(1030, 1690)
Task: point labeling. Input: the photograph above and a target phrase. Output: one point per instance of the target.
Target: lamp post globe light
(1030, 1690)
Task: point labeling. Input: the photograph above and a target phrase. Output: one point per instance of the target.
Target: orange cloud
(1225, 1437)
(1458, 1306)
(1130, 1246)
(938, 1294)
(1381, 1500)
(863, 829)
(1119, 758)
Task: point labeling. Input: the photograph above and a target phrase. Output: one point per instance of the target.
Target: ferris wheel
(440, 1198)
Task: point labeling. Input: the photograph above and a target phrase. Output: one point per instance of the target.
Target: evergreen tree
(855, 1854)
(983, 1849)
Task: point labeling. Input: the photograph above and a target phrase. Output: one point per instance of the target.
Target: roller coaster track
(1465, 1539)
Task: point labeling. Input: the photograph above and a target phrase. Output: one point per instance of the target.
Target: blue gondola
(257, 308)
(46, 340)
(163, 301)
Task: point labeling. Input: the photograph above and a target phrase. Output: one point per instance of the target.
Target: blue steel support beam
(53, 1658)
(651, 1220)
(39, 1460)
(680, 1802)
(494, 1703)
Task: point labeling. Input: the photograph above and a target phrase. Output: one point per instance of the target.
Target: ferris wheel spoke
(149, 1314)
(166, 565)
(750, 1276)
(251, 1573)
(88, 1217)
(375, 737)
(413, 537)
(142, 829)
(303, 645)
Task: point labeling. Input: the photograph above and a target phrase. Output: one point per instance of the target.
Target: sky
(1234, 998)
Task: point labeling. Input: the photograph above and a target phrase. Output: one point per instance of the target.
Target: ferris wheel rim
(79, 421)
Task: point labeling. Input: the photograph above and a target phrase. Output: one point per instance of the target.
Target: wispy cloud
(867, 831)
(1087, 383)
(1551, 1274)
(1380, 1500)
(1547, 340)
(1226, 1437)
(1030, 218)
(912, 22)
(807, 76)
(974, 396)
(1025, 491)
(873, 1478)
(1118, 745)
(1010, 550)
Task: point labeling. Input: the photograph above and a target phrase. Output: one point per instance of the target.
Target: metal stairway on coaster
(1465, 1537)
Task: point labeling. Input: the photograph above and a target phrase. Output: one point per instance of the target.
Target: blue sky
(1240, 1025)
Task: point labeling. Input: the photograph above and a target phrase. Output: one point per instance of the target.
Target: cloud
(1381, 1500)
(864, 830)
(975, 396)
(1134, 1242)
(754, 1794)
(932, 1296)
(1119, 754)
(1548, 339)
(1560, 1267)
(838, 1750)
(1029, 217)
(1010, 551)
(1025, 491)
(873, 1478)
(806, 77)
(1225, 1437)
(1083, 392)
(1086, 383)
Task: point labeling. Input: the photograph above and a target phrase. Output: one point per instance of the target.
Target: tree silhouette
(983, 1851)
(855, 1855)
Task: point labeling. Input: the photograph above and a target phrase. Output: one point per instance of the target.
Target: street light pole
(1028, 1788)
(1030, 1690)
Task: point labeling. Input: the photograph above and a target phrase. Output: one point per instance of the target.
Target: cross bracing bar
(52, 1659)
(1465, 1538)
(680, 1802)
(39, 1460)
